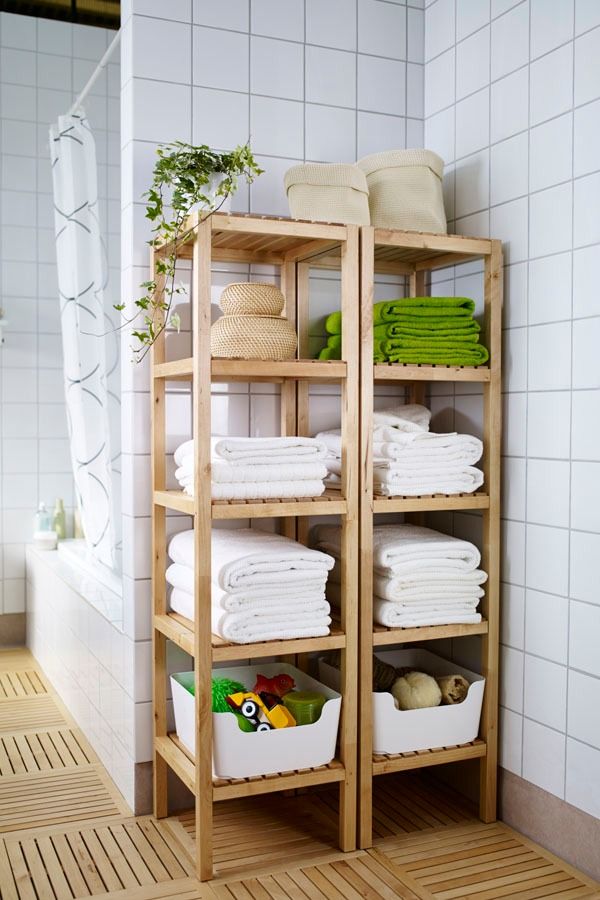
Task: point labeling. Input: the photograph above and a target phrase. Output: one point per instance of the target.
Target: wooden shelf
(383, 635)
(257, 370)
(407, 252)
(405, 373)
(182, 763)
(402, 762)
(431, 503)
(181, 631)
(328, 504)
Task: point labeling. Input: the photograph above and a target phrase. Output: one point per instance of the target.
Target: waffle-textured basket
(252, 298)
(328, 192)
(253, 337)
(405, 190)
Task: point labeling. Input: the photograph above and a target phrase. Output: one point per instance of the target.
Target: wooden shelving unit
(293, 247)
(413, 255)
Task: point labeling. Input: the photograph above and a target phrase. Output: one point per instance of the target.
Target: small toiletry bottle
(77, 526)
(42, 518)
(59, 522)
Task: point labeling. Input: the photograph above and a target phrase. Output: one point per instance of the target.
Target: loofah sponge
(454, 688)
(222, 688)
(416, 690)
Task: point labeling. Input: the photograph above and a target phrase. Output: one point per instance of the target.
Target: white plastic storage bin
(405, 190)
(239, 754)
(328, 192)
(402, 731)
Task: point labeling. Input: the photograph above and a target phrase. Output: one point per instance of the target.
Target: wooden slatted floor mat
(38, 751)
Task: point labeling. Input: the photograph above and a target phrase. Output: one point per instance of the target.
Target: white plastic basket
(239, 754)
(403, 731)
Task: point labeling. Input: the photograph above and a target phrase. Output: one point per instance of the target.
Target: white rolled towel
(247, 558)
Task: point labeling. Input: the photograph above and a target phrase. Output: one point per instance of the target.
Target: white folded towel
(392, 615)
(182, 602)
(242, 451)
(394, 483)
(222, 471)
(250, 627)
(181, 577)
(410, 417)
(406, 549)
(391, 589)
(438, 602)
(258, 490)
(244, 558)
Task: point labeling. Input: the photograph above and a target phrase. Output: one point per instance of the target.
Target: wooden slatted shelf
(257, 370)
(406, 373)
(431, 503)
(181, 631)
(383, 635)
(402, 762)
(182, 762)
(328, 504)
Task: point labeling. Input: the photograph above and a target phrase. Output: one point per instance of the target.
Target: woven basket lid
(330, 174)
(398, 158)
(252, 298)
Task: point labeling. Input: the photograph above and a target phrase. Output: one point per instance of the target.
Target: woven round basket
(253, 337)
(252, 298)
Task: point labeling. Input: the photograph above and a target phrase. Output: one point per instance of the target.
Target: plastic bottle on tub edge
(59, 522)
(42, 518)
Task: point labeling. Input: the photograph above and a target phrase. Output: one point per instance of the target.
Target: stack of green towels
(419, 330)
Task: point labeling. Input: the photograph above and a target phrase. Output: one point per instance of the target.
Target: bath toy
(278, 684)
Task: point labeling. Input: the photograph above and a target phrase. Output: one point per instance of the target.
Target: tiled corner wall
(43, 65)
(512, 103)
(305, 80)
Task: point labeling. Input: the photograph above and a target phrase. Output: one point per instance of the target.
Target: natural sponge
(454, 688)
(416, 690)
(222, 688)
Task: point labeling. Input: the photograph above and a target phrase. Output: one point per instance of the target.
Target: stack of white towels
(258, 468)
(264, 586)
(409, 460)
(420, 577)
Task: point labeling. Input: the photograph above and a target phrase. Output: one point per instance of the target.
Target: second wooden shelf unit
(292, 246)
(413, 255)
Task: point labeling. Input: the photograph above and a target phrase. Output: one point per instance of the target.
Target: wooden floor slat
(33, 713)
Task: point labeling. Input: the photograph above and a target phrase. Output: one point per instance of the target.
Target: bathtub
(95, 582)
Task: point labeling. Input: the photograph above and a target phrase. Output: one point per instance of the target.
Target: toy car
(252, 708)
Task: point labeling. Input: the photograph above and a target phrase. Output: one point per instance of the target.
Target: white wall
(512, 103)
(43, 65)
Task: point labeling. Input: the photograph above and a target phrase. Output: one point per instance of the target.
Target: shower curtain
(81, 282)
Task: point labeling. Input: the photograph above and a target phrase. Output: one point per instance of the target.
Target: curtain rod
(95, 74)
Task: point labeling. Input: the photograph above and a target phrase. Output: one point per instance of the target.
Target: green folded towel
(423, 307)
(333, 323)
(335, 341)
(469, 330)
(331, 353)
(450, 353)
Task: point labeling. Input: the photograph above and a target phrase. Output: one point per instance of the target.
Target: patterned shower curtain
(81, 282)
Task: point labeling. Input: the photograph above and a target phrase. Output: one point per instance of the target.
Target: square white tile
(162, 111)
(587, 71)
(515, 296)
(583, 721)
(277, 127)
(511, 740)
(472, 123)
(471, 15)
(585, 496)
(545, 692)
(586, 334)
(512, 616)
(275, 19)
(513, 488)
(472, 184)
(586, 210)
(415, 87)
(584, 571)
(548, 416)
(551, 84)
(439, 28)
(585, 426)
(547, 559)
(267, 193)
(508, 163)
(551, 25)
(510, 41)
(174, 61)
(511, 679)
(212, 47)
(584, 637)
(583, 777)
(439, 83)
(551, 215)
(513, 552)
(277, 68)
(221, 118)
(515, 360)
(439, 132)
(377, 132)
(586, 142)
(515, 424)
(330, 134)
(234, 14)
(510, 107)
(382, 29)
(473, 63)
(546, 507)
(550, 289)
(509, 223)
(330, 77)
(551, 153)
(415, 35)
(332, 24)
(544, 757)
(18, 31)
(550, 357)
(547, 627)
(587, 15)
(381, 85)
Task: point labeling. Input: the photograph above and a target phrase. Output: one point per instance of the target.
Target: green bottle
(59, 523)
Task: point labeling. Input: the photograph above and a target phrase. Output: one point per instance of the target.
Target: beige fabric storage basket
(252, 298)
(253, 337)
(405, 190)
(323, 192)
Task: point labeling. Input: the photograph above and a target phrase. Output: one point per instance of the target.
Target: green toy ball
(222, 688)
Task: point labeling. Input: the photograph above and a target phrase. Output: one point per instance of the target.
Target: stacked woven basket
(252, 326)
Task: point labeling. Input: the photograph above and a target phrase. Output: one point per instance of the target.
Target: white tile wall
(531, 108)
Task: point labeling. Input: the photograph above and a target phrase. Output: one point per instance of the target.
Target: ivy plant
(184, 177)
